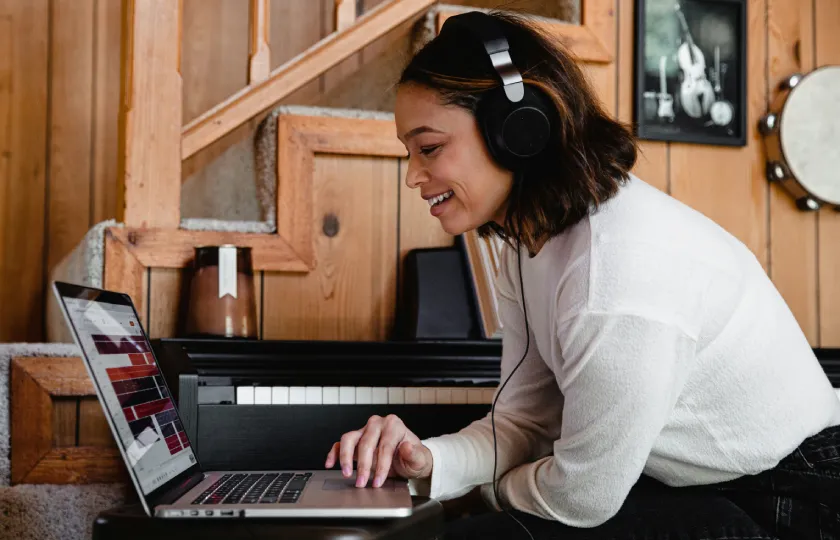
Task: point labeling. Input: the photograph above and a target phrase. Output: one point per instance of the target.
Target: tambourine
(802, 138)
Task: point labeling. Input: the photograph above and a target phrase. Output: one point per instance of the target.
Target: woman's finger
(332, 455)
(392, 434)
(366, 448)
(347, 447)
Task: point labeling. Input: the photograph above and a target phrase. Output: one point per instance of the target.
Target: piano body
(253, 404)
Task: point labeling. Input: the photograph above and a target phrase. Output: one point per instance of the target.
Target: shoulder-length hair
(590, 153)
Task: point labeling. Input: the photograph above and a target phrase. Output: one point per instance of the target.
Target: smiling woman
(655, 383)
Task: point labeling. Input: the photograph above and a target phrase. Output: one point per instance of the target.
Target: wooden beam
(345, 14)
(579, 39)
(150, 115)
(260, 63)
(168, 248)
(292, 75)
(123, 272)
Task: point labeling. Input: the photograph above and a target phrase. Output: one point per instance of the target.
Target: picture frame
(483, 258)
(690, 66)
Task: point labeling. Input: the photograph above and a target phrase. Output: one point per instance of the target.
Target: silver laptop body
(147, 427)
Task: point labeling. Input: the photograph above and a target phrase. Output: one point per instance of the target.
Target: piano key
(297, 395)
(244, 395)
(396, 395)
(489, 394)
(262, 395)
(364, 395)
(330, 395)
(443, 396)
(459, 396)
(475, 395)
(412, 395)
(280, 395)
(314, 395)
(379, 395)
(346, 395)
(428, 395)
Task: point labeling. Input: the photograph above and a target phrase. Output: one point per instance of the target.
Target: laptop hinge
(178, 491)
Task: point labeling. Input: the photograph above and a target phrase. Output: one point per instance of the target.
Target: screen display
(136, 398)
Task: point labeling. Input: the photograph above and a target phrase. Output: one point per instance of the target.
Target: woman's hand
(384, 445)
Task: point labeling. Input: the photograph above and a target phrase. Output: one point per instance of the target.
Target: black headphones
(515, 119)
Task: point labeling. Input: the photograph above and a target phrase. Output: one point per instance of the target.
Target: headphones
(515, 119)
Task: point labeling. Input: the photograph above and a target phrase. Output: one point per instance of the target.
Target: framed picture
(483, 257)
(690, 64)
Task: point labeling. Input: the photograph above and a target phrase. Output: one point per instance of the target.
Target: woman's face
(449, 161)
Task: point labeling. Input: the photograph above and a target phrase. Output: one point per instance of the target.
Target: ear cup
(514, 132)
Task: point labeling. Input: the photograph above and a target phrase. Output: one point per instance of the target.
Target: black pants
(798, 499)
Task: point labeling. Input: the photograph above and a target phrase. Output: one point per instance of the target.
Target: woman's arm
(621, 377)
(527, 415)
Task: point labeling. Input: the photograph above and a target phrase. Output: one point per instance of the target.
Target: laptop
(157, 452)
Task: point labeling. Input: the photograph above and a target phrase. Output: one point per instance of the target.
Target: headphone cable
(493, 408)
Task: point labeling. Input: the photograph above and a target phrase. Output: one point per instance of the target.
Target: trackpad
(338, 484)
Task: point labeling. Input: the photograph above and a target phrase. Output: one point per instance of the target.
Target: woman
(655, 382)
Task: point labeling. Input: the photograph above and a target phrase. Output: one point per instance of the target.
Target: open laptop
(157, 452)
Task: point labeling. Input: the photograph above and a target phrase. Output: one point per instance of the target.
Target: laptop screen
(135, 395)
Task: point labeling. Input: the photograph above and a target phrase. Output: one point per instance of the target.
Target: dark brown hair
(590, 153)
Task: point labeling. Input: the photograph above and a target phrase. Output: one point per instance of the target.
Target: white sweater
(673, 352)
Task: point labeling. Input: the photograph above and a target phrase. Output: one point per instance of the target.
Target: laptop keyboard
(255, 488)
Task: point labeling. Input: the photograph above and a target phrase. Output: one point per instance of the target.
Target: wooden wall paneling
(106, 108)
(827, 51)
(793, 233)
(42, 392)
(728, 184)
(215, 65)
(24, 50)
(93, 429)
(149, 159)
(652, 161)
(338, 15)
(350, 295)
(65, 418)
(601, 17)
(71, 129)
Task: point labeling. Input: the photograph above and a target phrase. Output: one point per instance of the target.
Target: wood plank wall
(59, 86)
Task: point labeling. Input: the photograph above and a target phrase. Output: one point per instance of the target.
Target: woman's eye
(426, 150)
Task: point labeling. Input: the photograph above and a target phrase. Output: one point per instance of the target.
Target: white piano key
(346, 395)
(364, 395)
(330, 395)
(280, 395)
(443, 396)
(244, 395)
(262, 395)
(475, 395)
(427, 395)
(489, 394)
(297, 395)
(412, 395)
(379, 395)
(459, 396)
(314, 395)
(396, 395)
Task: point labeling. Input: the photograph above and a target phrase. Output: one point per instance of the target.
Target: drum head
(810, 133)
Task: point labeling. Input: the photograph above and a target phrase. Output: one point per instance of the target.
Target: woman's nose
(415, 176)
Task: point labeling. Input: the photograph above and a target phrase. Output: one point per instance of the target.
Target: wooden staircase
(153, 143)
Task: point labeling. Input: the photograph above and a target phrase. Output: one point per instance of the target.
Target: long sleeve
(621, 376)
(527, 415)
